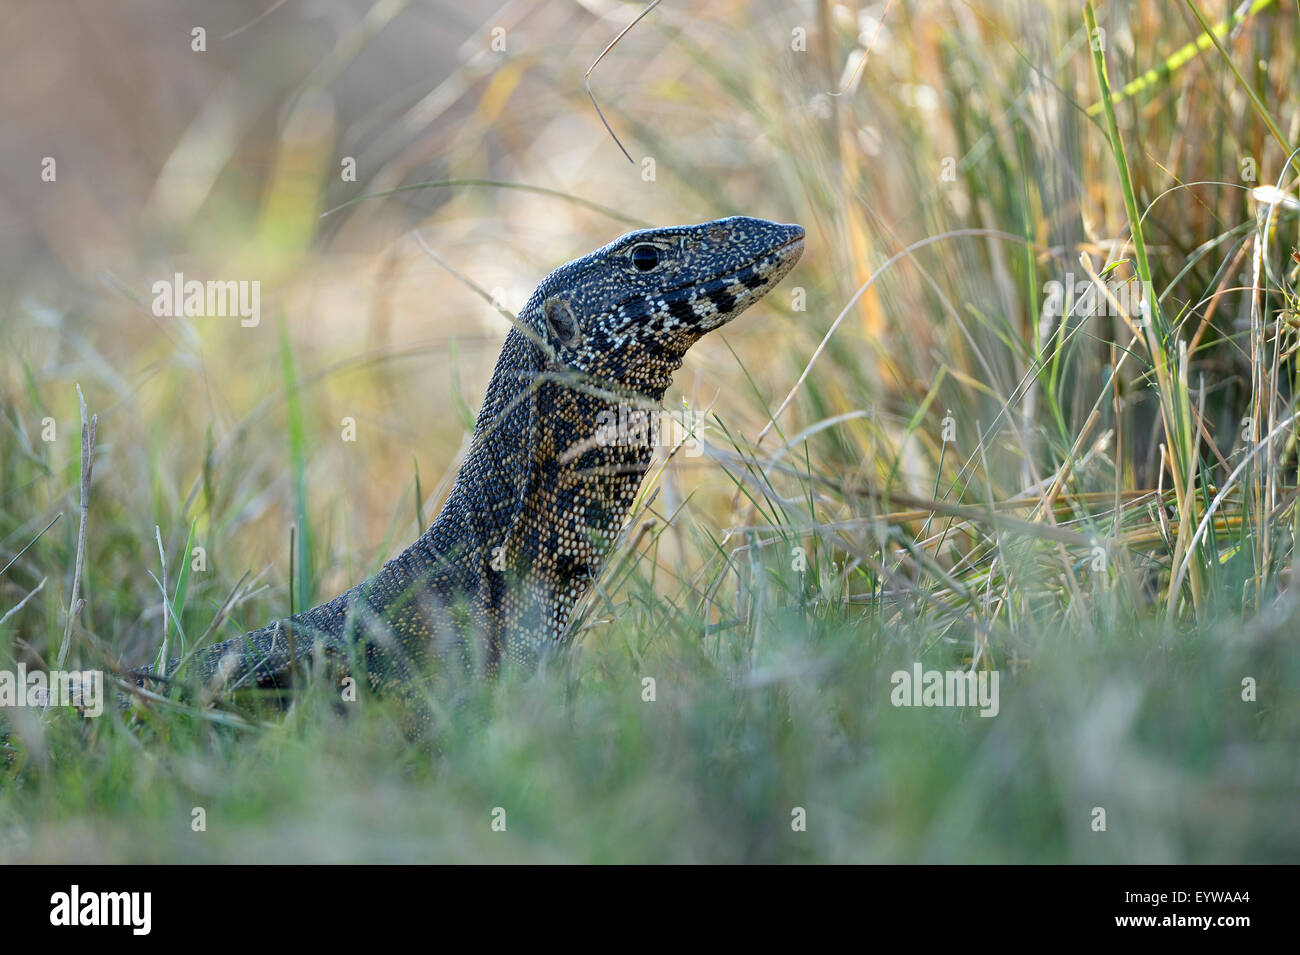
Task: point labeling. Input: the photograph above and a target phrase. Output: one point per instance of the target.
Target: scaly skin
(543, 491)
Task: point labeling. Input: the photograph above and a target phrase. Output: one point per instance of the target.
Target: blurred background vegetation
(1114, 534)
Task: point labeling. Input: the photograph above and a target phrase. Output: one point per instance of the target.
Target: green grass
(1080, 505)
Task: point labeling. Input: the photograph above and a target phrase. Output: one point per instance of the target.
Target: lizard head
(624, 316)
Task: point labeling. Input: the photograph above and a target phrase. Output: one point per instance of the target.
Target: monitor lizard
(545, 487)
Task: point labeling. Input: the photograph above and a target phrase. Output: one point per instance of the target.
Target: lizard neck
(548, 482)
(590, 457)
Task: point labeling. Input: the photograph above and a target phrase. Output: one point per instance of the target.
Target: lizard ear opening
(561, 320)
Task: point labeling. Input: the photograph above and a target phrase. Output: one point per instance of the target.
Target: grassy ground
(912, 455)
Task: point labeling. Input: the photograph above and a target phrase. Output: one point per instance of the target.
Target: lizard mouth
(791, 250)
(742, 287)
(787, 253)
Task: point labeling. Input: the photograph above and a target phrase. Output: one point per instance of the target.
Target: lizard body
(543, 491)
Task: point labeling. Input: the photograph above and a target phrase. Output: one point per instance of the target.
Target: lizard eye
(645, 257)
